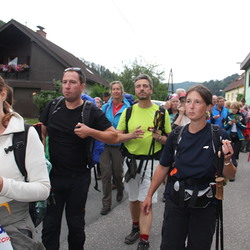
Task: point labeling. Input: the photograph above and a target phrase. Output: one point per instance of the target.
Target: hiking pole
(96, 182)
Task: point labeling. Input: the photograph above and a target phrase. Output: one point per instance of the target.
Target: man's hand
(82, 130)
(147, 205)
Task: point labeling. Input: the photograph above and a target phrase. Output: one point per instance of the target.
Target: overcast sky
(200, 40)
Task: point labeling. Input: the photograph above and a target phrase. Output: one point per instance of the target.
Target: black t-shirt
(195, 157)
(68, 152)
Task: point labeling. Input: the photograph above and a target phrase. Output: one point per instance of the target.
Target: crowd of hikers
(196, 138)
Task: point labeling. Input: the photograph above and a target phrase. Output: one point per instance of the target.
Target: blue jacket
(223, 115)
(240, 125)
(107, 108)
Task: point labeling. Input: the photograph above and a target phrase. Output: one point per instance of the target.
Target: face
(116, 91)
(71, 87)
(214, 100)
(98, 103)
(220, 103)
(196, 107)
(234, 110)
(174, 103)
(143, 90)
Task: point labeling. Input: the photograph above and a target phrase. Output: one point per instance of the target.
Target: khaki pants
(111, 164)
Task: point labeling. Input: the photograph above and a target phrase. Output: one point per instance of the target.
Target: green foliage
(43, 97)
(97, 90)
(136, 68)
(239, 97)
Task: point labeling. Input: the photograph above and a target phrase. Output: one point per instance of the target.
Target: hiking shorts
(136, 188)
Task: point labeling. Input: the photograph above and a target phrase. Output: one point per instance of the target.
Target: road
(108, 232)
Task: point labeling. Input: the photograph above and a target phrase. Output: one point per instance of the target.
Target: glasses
(78, 70)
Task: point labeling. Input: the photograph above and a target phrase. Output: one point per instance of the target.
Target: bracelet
(227, 163)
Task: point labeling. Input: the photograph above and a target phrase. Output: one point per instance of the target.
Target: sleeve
(100, 122)
(167, 157)
(38, 185)
(45, 114)
(122, 123)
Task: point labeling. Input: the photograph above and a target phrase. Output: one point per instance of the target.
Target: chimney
(41, 32)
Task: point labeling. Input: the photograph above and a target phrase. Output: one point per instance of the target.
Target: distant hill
(216, 87)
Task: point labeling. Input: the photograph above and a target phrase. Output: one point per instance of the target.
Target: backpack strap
(128, 115)
(19, 147)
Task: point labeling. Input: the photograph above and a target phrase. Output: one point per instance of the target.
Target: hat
(172, 96)
(182, 95)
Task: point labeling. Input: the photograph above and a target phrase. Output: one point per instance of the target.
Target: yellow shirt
(143, 117)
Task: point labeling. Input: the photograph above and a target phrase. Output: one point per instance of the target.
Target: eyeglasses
(78, 70)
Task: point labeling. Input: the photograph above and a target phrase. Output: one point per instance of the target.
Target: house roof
(64, 57)
(246, 63)
(239, 82)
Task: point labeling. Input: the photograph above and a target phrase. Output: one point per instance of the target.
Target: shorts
(136, 188)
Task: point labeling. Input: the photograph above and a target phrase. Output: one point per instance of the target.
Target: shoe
(143, 245)
(133, 236)
(105, 210)
(119, 196)
(233, 179)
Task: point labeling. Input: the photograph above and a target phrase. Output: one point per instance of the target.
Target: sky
(200, 40)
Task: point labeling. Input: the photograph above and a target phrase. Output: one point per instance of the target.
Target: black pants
(236, 143)
(197, 225)
(69, 192)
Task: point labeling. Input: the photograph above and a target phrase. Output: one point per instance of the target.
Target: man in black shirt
(69, 142)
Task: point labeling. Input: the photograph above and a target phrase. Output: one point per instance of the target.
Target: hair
(80, 73)
(203, 91)
(220, 98)
(6, 105)
(180, 91)
(106, 94)
(228, 104)
(235, 105)
(146, 77)
(9, 97)
(117, 82)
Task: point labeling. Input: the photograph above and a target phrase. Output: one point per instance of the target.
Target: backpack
(37, 209)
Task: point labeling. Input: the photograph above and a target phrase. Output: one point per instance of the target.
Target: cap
(172, 96)
(182, 95)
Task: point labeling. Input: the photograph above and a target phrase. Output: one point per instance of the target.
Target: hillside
(216, 86)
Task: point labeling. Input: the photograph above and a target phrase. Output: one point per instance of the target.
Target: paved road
(108, 232)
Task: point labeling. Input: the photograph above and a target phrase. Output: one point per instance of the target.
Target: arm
(38, 187)
(137, 133)
(108, 136)
(229, 169)
(159, 176)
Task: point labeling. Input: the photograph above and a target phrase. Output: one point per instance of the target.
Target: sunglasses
(78, 70)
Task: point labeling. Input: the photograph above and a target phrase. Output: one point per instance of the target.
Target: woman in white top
(15, 193)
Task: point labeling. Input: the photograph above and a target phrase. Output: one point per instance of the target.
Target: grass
(31, 120)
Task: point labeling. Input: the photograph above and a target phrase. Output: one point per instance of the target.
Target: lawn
(31, 120)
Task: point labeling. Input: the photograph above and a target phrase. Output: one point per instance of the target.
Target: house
(29, 63)
(236, 88)
(245, 65)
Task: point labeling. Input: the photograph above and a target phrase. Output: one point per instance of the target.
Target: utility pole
(170, 82)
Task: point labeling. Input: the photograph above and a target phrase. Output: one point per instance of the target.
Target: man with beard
(69, 148)
(142, 142)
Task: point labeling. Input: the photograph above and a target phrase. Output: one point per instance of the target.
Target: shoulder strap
(177, 137)
(19, 148)
(56, 105)
(128, 115)
(85, 114)
(216, 137)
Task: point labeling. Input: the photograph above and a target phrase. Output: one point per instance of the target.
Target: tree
(137, 67)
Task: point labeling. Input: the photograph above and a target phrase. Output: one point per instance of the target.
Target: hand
(216, 117)
(181, 110)
(138, 133)
(155, 133)
(82, 130)
(147, 205)
(227, 149)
